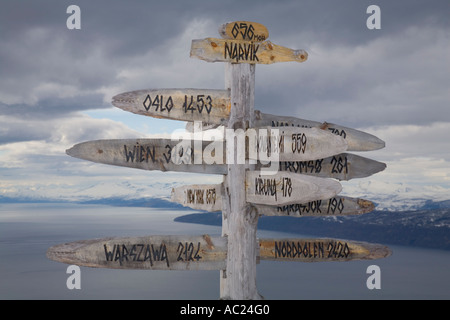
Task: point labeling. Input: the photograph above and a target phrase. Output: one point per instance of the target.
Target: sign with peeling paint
(212, 106)
(241, 51)
(151, 252)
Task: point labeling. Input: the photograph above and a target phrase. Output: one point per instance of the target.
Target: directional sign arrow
(356, 140)
(336, 206)
(202, 252)
(200, 196)
(241, 51)
(212, 106)
(208, 197)
(285, 188)
(151, 154)
(295, 144)
(343, 166)
(151, 252)
(320, 250)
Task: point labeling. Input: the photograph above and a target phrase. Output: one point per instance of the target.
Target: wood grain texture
(150, 154)
(206, 197)
(207, 105)
(244, 30)
(240, 51)
(336, 206)
(356, 140)
(320, 250)
(172, 252)
(285, 188)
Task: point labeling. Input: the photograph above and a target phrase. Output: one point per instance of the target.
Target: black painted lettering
(108, 254)
(266, 187)
(339, 164)
(246, 52)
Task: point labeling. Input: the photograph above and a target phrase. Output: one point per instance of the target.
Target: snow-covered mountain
(387, 196)
(397, 196)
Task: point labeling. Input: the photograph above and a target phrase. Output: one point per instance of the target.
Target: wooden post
(239, 220)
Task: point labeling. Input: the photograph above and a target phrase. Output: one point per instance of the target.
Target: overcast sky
(56, 84)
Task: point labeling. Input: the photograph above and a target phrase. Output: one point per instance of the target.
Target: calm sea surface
(28, 230)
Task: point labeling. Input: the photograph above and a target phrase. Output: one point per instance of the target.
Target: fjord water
(28, 230)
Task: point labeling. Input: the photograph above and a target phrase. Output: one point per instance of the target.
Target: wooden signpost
(308, 158)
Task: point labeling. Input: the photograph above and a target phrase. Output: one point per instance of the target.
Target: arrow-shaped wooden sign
(343, 166)
(319, 250)
(151, 252)
(152, 154)
(212, 106)
(284, 188)
(241, 51)
(356, 140)
(202, 252)
(336, 206)
(200, 196)
(294, 144)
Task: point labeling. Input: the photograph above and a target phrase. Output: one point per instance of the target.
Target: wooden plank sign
(201, 197)
(343, 167)
(241, 51)
(244, 30)
(212, 106)
(356, 140)
(284, 188)
(320, 250)
(295, 144)
(336, 206)
(151, 154)
(150, 252)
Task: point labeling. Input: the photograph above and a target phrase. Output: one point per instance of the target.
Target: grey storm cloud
(353, 75)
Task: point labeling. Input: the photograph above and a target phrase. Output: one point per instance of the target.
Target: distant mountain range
(403, 215)
(386, 196)
(424, 228)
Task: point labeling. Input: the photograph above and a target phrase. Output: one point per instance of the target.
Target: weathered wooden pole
(239, 221)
